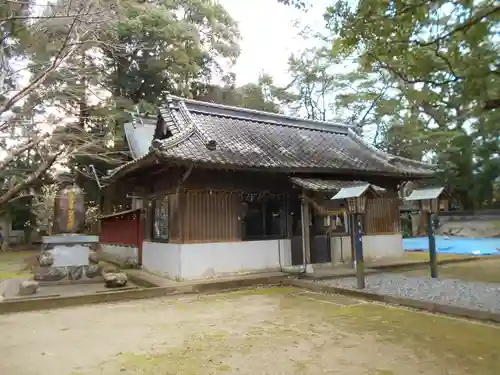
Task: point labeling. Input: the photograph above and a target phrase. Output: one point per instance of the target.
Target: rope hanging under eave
(333, 224)
(320, 210)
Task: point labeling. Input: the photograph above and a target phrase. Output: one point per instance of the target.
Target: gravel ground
(454, 292)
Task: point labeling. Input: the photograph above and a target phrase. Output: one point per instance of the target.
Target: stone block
(115, 279)
(28, 287)
(93, 257)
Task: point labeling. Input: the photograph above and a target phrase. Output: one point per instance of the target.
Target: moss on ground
(11, 264)
(469, 347)
(470, 344)
(486, 270)
(423, 256)
(195, 354)
(283, 290)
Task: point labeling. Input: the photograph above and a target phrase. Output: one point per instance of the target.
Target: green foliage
(165, 46)
(263, 95)
(436, 64)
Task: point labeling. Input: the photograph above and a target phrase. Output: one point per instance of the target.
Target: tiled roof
(246, 138)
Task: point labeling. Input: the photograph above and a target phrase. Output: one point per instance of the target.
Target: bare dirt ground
(264, 331)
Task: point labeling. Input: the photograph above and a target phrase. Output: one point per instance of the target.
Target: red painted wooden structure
(123, 228)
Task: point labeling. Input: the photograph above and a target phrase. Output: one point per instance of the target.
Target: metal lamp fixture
(356, 197)
(351, 204)
(357, 205)
(430, 206)
(435, 205)
(426, 205)
(429, 199)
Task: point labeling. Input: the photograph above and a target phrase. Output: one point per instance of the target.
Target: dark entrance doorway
(319, 240)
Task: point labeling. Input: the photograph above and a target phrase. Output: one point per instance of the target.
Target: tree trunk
(6, 234)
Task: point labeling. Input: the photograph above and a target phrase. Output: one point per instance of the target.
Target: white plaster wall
(341, 249)
(383, 245)
(162, 258)
(213, 259)
(120, 252)
(374, 246)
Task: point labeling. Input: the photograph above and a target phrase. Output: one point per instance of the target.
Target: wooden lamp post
(430, 199)
(356, 198)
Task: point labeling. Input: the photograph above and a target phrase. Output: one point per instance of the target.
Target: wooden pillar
(140, 235)
(306, 230)
(182, 219)
(288, 217)
(352, 232)
(148, 218)
(432, 244)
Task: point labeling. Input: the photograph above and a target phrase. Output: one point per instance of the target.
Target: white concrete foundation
(202, 260)
(121, 253)
(65, 256)
(69, 249)
(162, 258)
(374, 246)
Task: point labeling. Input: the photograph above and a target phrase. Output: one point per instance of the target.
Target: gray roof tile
(253, 139)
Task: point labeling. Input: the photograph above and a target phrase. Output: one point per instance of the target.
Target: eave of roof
(327, 186)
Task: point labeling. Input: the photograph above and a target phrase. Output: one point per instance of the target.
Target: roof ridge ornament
(210, 143)
(173, 141)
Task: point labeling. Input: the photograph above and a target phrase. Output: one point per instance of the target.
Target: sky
(269, 36)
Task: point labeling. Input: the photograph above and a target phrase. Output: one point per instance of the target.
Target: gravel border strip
(428, 306)
(452, 292)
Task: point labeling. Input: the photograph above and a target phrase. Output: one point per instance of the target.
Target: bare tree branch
(42, 168)
(61, 55)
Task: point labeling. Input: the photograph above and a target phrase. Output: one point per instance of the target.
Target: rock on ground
(115, 279)
(46, 259)
(28, 287)
(10, 287)
(93, 256)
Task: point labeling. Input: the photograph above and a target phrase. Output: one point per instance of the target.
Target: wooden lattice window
(160, 219)
(263, 218)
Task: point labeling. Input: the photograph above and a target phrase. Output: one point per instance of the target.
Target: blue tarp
(455, 245)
